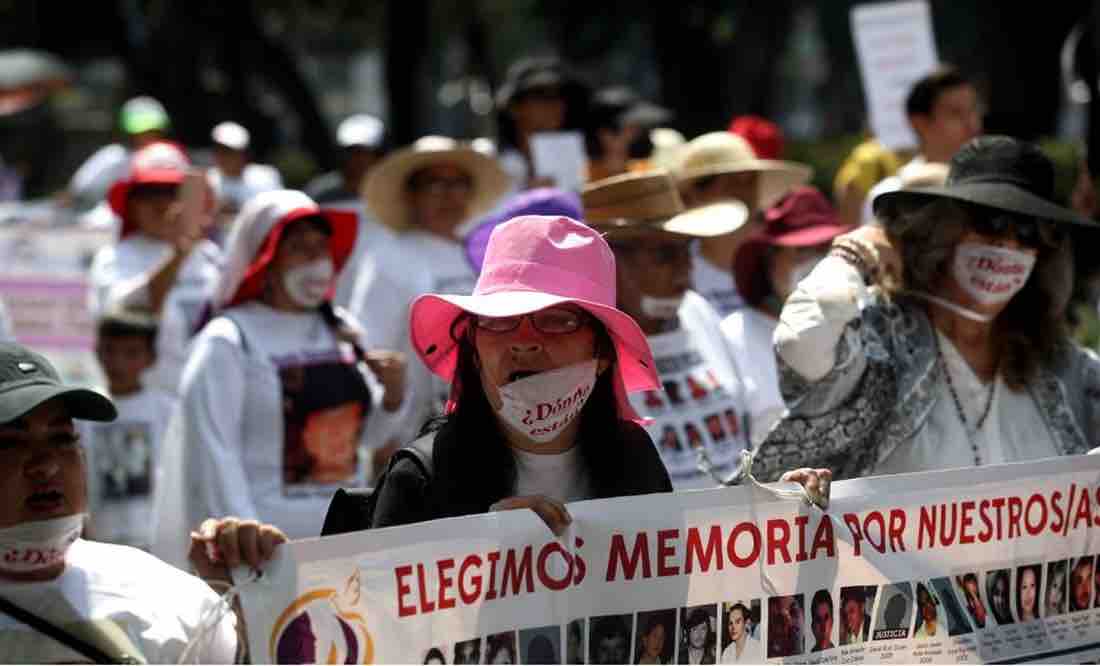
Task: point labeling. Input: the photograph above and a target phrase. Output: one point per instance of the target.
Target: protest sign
(895, 47)
(945, 567)
(561, 157)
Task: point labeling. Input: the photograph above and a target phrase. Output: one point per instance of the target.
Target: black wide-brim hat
(994, 171)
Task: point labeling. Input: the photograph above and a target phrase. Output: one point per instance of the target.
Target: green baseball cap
(142, 114)
(27, 380)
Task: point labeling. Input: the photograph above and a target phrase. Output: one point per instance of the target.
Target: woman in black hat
(939, 342)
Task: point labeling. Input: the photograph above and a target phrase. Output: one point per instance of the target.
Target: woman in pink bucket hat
(540, 363)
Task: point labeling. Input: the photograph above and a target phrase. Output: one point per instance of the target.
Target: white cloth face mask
(542, 406)
(990, 274)
(661, 308)
(39, 544)
(307, 284)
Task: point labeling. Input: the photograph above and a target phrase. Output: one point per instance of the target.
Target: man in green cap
(142, 120)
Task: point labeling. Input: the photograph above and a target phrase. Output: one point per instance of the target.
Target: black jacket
(408, 495)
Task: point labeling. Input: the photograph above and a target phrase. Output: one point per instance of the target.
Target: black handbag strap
(60, 635)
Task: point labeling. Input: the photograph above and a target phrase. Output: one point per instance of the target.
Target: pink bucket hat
(531, 263)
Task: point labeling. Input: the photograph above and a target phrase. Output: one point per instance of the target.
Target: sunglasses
(551, 321)
(1029, 231)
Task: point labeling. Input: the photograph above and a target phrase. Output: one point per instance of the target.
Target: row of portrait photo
(690, 635)
(1028, 592)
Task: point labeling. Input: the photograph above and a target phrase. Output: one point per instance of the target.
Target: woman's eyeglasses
(551, 321)
(1029, 231)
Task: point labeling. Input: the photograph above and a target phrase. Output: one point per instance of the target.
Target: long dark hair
(469, 445)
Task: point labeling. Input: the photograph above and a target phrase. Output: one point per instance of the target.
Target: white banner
(992, 564)
(895, 48)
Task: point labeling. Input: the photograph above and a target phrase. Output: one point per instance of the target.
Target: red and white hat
(159, 163)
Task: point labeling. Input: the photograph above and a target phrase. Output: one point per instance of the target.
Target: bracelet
(862, 256)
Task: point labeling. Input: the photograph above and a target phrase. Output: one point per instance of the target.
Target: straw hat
(722, 152)
(385, 186)
(639, 202)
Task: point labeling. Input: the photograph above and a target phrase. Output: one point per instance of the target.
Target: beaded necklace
(958, 403)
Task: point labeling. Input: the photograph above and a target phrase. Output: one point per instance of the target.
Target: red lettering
(1056, 509)
(579, 564)
(666, 551)
(823, 539)
(517, 573)
(947, 537)
(873, 518)
(445, 583)
(1084, 510)
(998, 503)
(494, 557)
(852, 521)
(1015, 512)
(800, 523)
(403, 588)
(779, 535)
(732, 555)
(617, 558)
(965, 537)
(1036, 528)
(897, 529)
(695, 549)
(926, 528)
(547, 580)
(426, 604)
(469, 596)
(987, 532)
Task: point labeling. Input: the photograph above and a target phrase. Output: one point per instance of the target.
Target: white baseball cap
(362, 129)
(231, 135)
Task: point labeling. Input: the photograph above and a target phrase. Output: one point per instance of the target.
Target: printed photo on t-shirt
(324, 413)
(123, 460)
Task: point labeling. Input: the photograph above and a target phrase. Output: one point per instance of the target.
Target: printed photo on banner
(1029, 580)
(931, 619)
(609, 639)
(1054, 599)
(1096, 576)
(575, 642)
(856, 604)
(541, 645)
(656, 642)
(323, 420)
(821, 621)
(435, 656)
(997, 586)
(123, 453)
(742, 632)
(785, 638)
(956, 619)
(895, 612)
(1081, 584)
(501, 648)
(970, 590)
(698, 635)
(467, 652)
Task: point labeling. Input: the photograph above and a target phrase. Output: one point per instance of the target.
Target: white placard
(895, 47)
(561, 156)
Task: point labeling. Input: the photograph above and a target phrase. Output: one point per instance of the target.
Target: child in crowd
(122, 454)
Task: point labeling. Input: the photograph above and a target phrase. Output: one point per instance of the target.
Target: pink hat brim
(432, 315)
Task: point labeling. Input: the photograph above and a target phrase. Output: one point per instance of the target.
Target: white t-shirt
(115, 276)
(409, 265)
(703, 401)
(813, 321)
(255, 436)
(749, 332)
(121, 600)
(715, 284)
(121, 461)
(561, 476)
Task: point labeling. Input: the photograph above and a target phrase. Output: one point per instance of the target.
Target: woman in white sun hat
(279, 403)
(426, 194)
